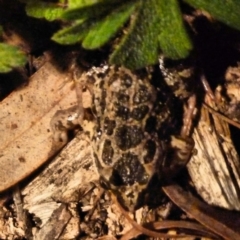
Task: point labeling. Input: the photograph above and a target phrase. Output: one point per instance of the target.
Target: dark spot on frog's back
(142, 95)
(127, 137)
(128, 170)
(107, 153)
(126, 80)
(139, 113)
(113, 78)
(109, 126)
(122, 97)
(122, 112)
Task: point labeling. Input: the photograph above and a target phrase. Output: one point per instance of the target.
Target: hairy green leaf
(10, 57)
(173, 38)
(95, 31)
(105, 28)
(227, 11)
(81, 3)
(154, 25)
(139, 47)
(92, 11)
(72, 34)
(40, 9)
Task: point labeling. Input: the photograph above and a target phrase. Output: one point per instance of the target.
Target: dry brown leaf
(26, 137)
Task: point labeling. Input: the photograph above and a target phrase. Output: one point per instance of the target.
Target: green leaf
(39, 9)
(139, 47)
(227, 11)
(173, 38)
(154, 24)
(92, 11)
(80, 3)
(105, 28)
(73, 34)
(10, 57)
(95, 33)
(85, 16)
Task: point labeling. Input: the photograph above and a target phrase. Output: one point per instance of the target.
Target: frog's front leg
(68, 119)
(63, 121)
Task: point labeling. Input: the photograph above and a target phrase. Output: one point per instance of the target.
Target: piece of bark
(71, 171)
(65, 179)
(55, 225)
(214, 169)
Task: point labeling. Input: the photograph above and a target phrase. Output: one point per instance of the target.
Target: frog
(133, 132)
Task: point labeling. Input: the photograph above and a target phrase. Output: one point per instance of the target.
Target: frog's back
(126, 144)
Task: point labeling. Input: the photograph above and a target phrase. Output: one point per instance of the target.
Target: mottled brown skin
(132, 133)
